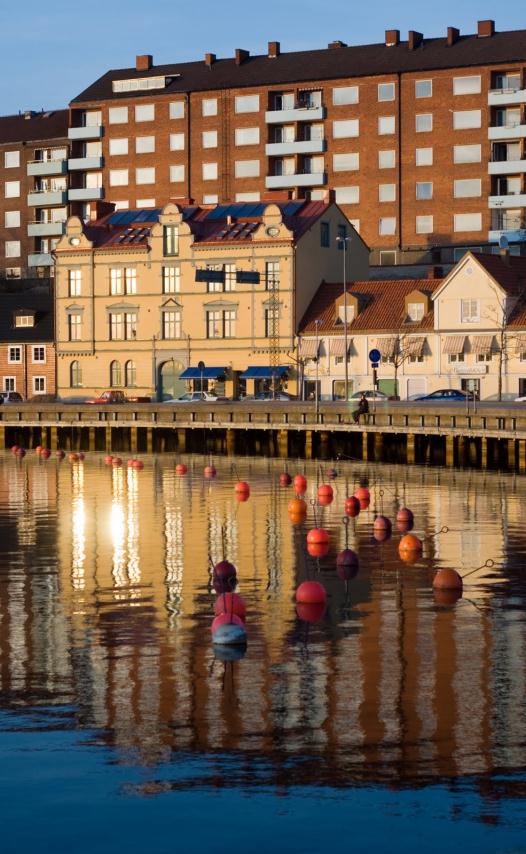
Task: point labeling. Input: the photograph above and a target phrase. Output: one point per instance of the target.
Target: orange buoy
(297, 506)
(241, 497)
(311, 592)
(181, 468)
(73, 458)
(410, 543)
(310, 612)
(300, 484)
(447, 579)
(45, 453)
(285, 479)
(318, 549)
(60, 454)
(210, 472)
(116, 461)
(242, 486)
(446, 597)
(352, 506)
(38, 450)
(362, 493)
(317, 535)
(347, 558)
(382, 523)
(230, 603)
(296, 518)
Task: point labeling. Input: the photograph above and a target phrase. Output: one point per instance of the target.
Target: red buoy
(447, 579)
(311, 592)
(224, 570)
(382, 523)
(311, 612)
(381, 534)
(285, 479)
(73, 458)
(446, 597)
(362, 493)
(404, 515)
(108, 459)
(317, 535)
(210, 472)
(231, 603)
(60, 454)
(20, 453)
(352, 506)
(181, 468)
(346, 572)
(14, 448)
(242, 486)
(325, 500)
(347, 558)
(364, 503)
(116, 461)
(318, 549)
(81, 456)
(325, 489)
(45, 453)
(138, 464)
(131, 463)
(300, 484)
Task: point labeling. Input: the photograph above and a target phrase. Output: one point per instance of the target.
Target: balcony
(47, 167)
(90, 132)
(305, 146)
(301, 179)
(40, 259)
(85, 163)
(295, 114)
(506, 167)
(45, 229)
(513, 234)
(86, 194)
(506, 97)
(45, 198)
(511, 200)
(512, 131)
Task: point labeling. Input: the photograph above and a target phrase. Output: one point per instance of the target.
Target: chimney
(335, 44)
(452, 35)
(99, 209)
(210, 58)
(486, 29)
(414, 39)
(435, 272)
(392, 38)
(241, 55)
(274, 50)
(143, 62)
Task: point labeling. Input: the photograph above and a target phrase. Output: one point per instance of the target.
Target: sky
(51, 51)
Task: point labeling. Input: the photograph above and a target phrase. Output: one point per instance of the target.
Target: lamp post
(343, 243)
(316, 360)
(201, 368)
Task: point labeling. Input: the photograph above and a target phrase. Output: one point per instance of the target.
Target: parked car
(446, 394)
(370, 395)
(506, 395)
(11, 397)
(111, 396)
(196, 397)
(519, 399)
(269, 395)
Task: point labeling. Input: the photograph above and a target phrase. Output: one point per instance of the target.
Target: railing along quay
(401, 430)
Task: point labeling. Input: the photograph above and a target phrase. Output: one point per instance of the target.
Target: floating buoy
(181, 468)
(242, 486)
(325, 500)
(138, 464)
(404, 515)
(224, 570)
(364, 503)
(382, 523)
(222, 584)
(381, 534)
(347, 558)
(318, 549)
(108, 459)
(116, 461)
(332, 473)
(38, 450)
(230, 653)
(362, 493)
(296, 518)
(14, 448)
(285, 479)
(210, 472)
(347, 572)
(81, 456)
(297, 506)
(410, 543)
(446, 597)
(73, 458)
(352, 506)
(447, 579)
(231, 603)
(317, 535)
(300, 484)
(405, 527)
(311, 592)
(60, 454)
(20, 453)
(130, 463)
(45, 453)
(311, 612)
(325, 489)
(228, 629)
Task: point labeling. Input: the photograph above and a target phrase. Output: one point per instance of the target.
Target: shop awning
(263, 373)
(454, 344)
(338, 346)
(387, 347)
(208, 373)
(415, 346)
(309, 348)
(482, 344)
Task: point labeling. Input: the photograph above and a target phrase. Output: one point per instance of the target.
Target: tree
(500, 316)
(403, 347)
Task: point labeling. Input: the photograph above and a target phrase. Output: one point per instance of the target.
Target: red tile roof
(509, 272)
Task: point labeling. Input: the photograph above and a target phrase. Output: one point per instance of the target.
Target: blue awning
(208, 373)
(263, 373)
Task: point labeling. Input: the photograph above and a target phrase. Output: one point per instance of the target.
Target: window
(221, 324)
(455, 357)
(424, 122)
(230, 277)
(345, 95)
(118, 146)
(467, 85)
(386, 91)
(145, 144)
(210, 139)
(123, 280)
(123, 326)
(11, 159)
(130, 374)
(118, 177)
(272, 275)
(467, 222)
(467, 188)
(484, 357)
(424, 156)
(145, 175)
(145, 203)
(467, 153)
(469, 310)
(74, 282)
(39, 385)
(387, 225)
(14, 354)
(213, 199)
(465, 119)
(12, 189)
(386, 125)
(424, 224)
(91, 118)
(415, 311)
(75, 374)
(170, 240)
(387, 159)
(387, 259)
(325, 235)
(12, 249)
(171, 280)
(115, 374)
(345, 162)
(24, 320)
(171, 324)
(9, 383)
(177, 142)
(246, 168)
(92, 180)
(347, 195)
(247, 197)
(215, 285)
(423, 88)
(424, 190)
(117, 115)
(177, 110)
(247, 136)
(145, 112)
(387, 193)
(177, 174)
(247, 104)
(209, 171)
(74, 327)
(12, 219)
(346, 128)
(271, 315)
(341, 237)
(209, 106)
(38, 353)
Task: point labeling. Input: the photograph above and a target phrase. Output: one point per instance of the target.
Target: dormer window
(415, 311)
(350, 313)
(24, 320)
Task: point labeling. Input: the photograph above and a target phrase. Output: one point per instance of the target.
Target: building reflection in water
(106, 602)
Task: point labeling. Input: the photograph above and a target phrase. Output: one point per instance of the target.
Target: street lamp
(316, 360)
(343, 243)
(201, 368)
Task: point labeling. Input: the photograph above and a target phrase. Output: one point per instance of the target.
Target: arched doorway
(169, 384)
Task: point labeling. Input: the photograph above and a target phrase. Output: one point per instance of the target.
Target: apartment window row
(226, 281)
(122, 325)
(120, 177)
(123, 280)
(11, 159)
(38, 384)
(15, 354)
(221, 323)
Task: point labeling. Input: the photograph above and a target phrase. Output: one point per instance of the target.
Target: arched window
(130, 374)
(115, 374)
(75, 374)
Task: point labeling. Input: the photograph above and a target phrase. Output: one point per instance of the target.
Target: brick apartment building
(422, 139)
(27, 341)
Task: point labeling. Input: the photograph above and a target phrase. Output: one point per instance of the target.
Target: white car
(196, 397)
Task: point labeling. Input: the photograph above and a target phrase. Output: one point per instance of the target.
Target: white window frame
(177, 172)
(12, 219)
(460, 188)
(462, 122)
(247, 168)
(470, 311)
(419, 185)
(458, 158)
(209, 107)
(390, 90)
(241, 132)
(387, 226)
(118, 177)
(423, 122)
(176, 109)
(11, 348)
(424, 156)
(470, 83)
(345, 128)
(392, 153)
(460, 220)
(347, 195)
(210, 171)
(428, 94)
(342, 95)
(118, 115)
(145, 144)
(346, 162)
(144, 113)
(177, 141)
(386, 125)
(118, 146)
(424, 224)
(14, 156)
(209, 139)
(388, 192)
(12, 190)
(145, 175)
(245, 103)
